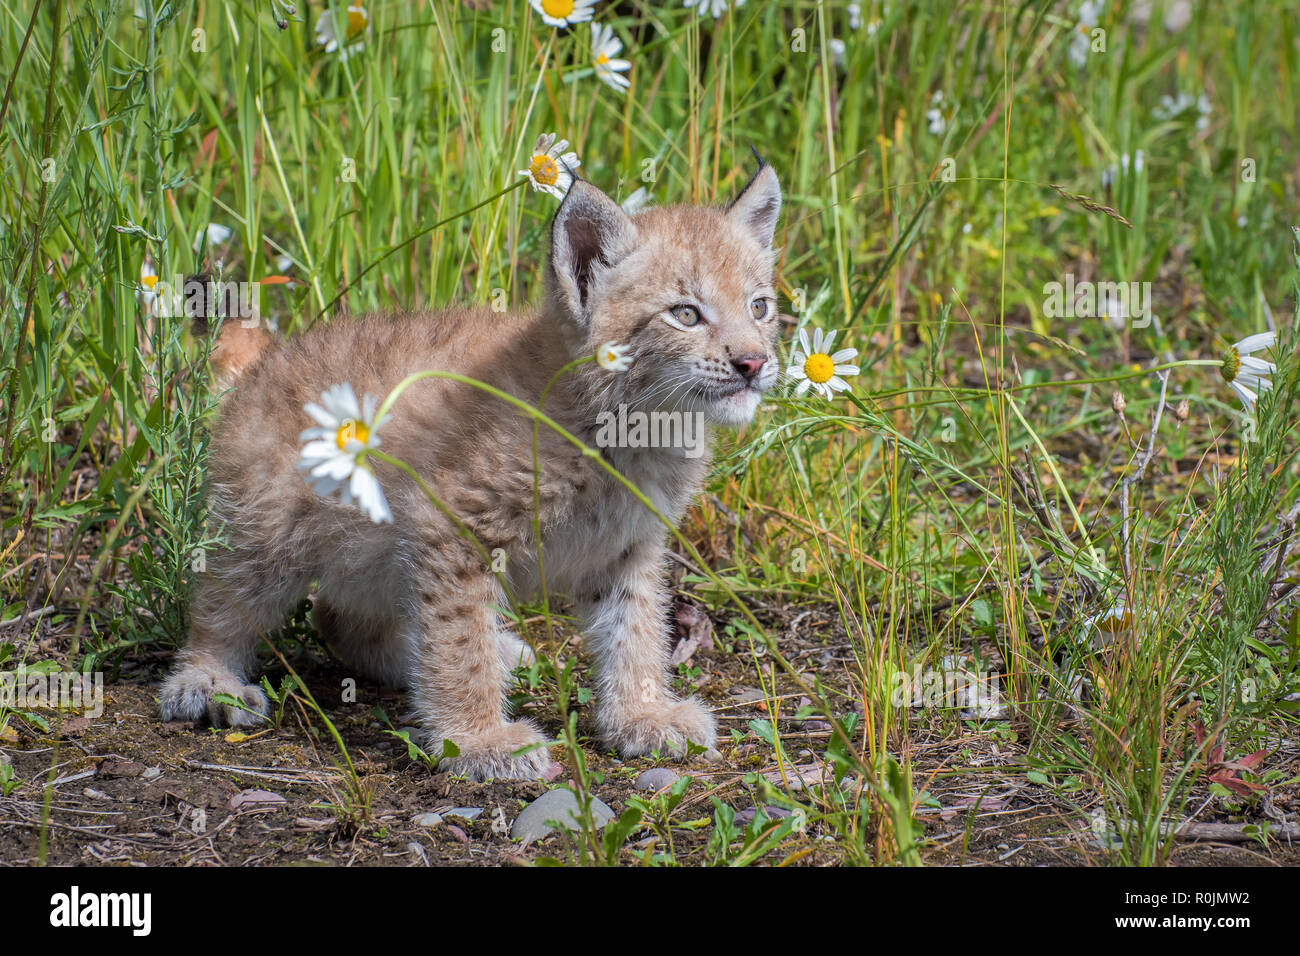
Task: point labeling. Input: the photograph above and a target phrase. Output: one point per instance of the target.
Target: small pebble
(151, 773)
(426, 819)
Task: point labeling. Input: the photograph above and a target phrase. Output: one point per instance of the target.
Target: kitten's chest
(605, 520)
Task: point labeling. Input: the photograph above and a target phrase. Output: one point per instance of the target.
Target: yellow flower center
(150, 281)
(1115, 623)
(544, 170)
(351, 431)
(1231, 364)
(557, 8)
(819, 368)
(602, 60)
(357, 20)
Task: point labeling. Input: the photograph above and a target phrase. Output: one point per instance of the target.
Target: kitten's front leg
(625, 619)
(460, 676)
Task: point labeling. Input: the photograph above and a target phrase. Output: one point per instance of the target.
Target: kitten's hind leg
(226, 622)
(515, 652)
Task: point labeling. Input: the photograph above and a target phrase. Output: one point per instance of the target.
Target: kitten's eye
(686, 315)
(758, 308)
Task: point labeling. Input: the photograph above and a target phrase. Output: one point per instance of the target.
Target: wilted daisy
(563, 13)
(547, 169)
(214, 235)
(329, 460)
(604, 48)
(357, 22)
(716, 7)
(817, 367)
(1081, 41)
(1248, 375)
(635, 202)
(1169, 107)
(614, 357)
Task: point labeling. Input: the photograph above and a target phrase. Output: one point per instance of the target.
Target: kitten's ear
(758, 205)
(591, 233)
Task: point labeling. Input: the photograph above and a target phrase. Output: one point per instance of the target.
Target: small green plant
(9, 781)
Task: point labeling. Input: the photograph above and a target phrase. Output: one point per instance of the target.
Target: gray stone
(559, 805)
(656, 778)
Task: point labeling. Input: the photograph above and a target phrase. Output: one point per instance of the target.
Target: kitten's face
(689, 289)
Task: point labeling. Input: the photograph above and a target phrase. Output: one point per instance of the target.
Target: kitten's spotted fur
(412, 603)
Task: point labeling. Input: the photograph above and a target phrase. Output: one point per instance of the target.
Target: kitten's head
(689, 289)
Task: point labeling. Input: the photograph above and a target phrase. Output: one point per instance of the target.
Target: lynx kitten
(688, 289)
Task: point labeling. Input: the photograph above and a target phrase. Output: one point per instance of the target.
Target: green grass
(969, 489)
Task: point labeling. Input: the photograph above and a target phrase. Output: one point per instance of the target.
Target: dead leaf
(692, 631)
(249, 798)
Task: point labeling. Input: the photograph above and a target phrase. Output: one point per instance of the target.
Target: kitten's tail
(241, 335)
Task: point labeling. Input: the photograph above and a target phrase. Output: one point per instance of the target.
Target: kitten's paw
(188, 691)
(662, 727)
(496, 755)
(514, 652)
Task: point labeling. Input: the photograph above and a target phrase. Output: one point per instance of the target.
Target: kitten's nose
(749, 365)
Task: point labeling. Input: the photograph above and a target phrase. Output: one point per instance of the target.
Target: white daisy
(1248, 375)
(817, 367)
(329, 461)
(614, 357)
(357, 22)
(550, 169)
(855, 16)
(563, 13)
(938, 114)
(604, 48)
(215, 234)
(838, 49)
(148, 284)
(156, 296)
(715, 7)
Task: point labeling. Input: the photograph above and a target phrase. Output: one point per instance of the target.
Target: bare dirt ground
(127, 789)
